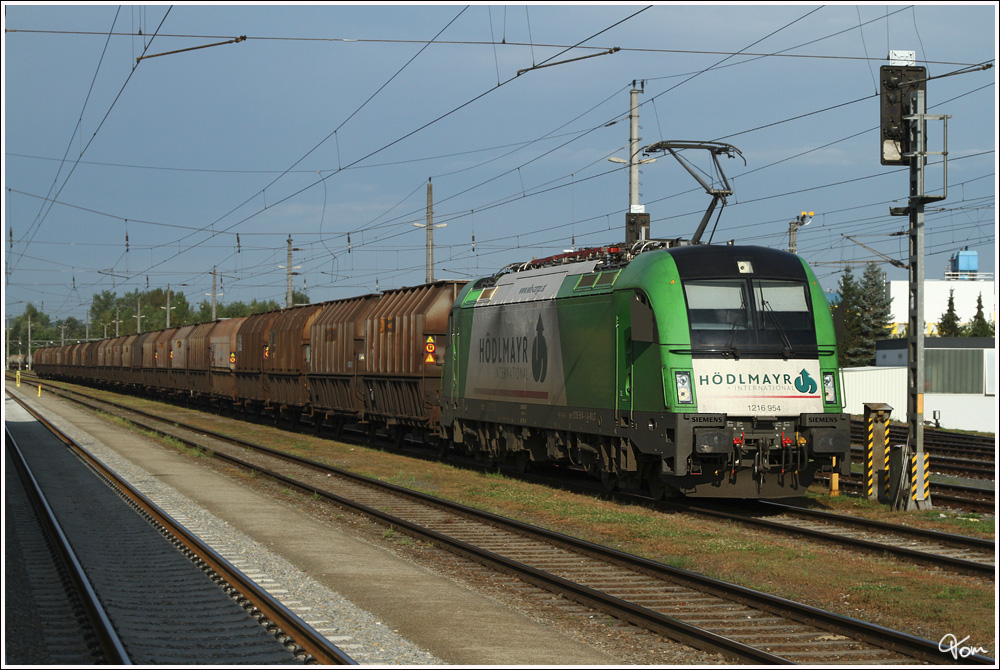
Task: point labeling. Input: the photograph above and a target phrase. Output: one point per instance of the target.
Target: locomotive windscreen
(763, 316)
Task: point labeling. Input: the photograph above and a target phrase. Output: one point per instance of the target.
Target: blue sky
(327, 122)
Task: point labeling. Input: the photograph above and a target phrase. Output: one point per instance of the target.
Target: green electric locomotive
(693, 370)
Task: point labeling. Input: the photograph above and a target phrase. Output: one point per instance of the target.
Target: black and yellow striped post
(877, 451)
(920, 482)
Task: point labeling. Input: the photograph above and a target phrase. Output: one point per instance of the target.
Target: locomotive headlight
(685, 396)
(829, 389)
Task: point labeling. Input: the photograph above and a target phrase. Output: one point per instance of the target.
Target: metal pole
(915, 326)
(213, 293)
(633, 157)
(168, 305)
(430, 231)
(288, 282)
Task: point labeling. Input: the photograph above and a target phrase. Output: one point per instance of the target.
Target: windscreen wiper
(787, 351)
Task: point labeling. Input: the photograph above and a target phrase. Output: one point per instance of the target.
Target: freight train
(671, 368)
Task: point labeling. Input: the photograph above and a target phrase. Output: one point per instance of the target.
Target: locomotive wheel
(657, 488)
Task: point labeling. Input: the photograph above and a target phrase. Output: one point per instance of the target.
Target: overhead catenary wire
(357, 247)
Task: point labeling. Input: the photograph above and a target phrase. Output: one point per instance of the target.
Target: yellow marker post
(834, 480)
(17, 376)
(39, 390)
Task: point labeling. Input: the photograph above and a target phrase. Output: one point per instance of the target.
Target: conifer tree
(949, 325)
(979, 326)
(866, 310)
(847, 310)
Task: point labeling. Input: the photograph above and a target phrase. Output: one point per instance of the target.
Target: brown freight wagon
(143, 363)
(112, 359)
(195, 359)
(162, 378)
(127, 373)
(222, 359)
(180, 375)
(337, 349)
(86, 361)
(103, 355)
(286, 356)
(404, 340)
(251, 350)
(44, 362)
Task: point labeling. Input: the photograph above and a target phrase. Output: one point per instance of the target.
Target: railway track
(130, 635)
(943, 494)
(954, 466)
(740, 623)
(958, 553)
(937, 442)
(68, 598)
(945, 551)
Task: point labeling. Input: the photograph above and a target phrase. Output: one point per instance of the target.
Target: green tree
(980, 327)
(875, 312)
(41, 329)
(863, 316)
(846, 315)
(949, 325)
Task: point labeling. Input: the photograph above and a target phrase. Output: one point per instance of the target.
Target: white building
(962, 277)
(960, 378)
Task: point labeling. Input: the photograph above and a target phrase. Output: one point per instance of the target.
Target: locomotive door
(636, 334)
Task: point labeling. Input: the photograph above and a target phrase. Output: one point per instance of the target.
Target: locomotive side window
(607, 278)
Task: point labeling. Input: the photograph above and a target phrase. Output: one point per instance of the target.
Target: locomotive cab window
(782, 305)
(762, 315)
(717, 305)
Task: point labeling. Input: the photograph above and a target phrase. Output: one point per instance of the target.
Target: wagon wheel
(522, 462)
(488, 460)
(609, 481)
(439, 445)
(317, 422)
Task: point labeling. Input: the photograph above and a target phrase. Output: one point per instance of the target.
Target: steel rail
(640, 616)
(896, 641)
(260, 603)
(958, 564)
(882, 637)
(107, 637)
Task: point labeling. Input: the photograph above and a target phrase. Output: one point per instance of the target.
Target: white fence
(888, 385)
